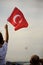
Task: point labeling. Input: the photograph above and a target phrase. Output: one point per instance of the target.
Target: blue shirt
(3, 51)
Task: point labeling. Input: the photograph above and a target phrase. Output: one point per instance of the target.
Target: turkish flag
(17, 19)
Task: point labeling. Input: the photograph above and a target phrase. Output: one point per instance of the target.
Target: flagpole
(7, 22)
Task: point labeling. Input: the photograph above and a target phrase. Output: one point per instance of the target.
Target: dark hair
(34, 60)
(41, 60)
(1, 39)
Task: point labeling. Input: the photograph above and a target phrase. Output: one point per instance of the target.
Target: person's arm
(6, 33)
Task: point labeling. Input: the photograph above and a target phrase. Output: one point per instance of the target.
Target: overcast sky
(24, 42)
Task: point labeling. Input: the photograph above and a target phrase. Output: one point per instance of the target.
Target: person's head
(34, 60)
(1, 39)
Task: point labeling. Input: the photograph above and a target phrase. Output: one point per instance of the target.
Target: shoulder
(5, 44)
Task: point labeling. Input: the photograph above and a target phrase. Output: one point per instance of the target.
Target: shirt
(3, 51)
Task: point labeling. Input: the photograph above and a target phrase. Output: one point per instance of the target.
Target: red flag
(17, 19)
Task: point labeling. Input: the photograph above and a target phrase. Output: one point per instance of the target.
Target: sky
(27, 41)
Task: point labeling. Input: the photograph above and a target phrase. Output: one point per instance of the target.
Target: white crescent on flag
(14, 18)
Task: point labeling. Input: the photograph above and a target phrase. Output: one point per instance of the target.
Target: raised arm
(6, 33)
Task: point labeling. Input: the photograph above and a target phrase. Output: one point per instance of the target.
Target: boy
(3, 46)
